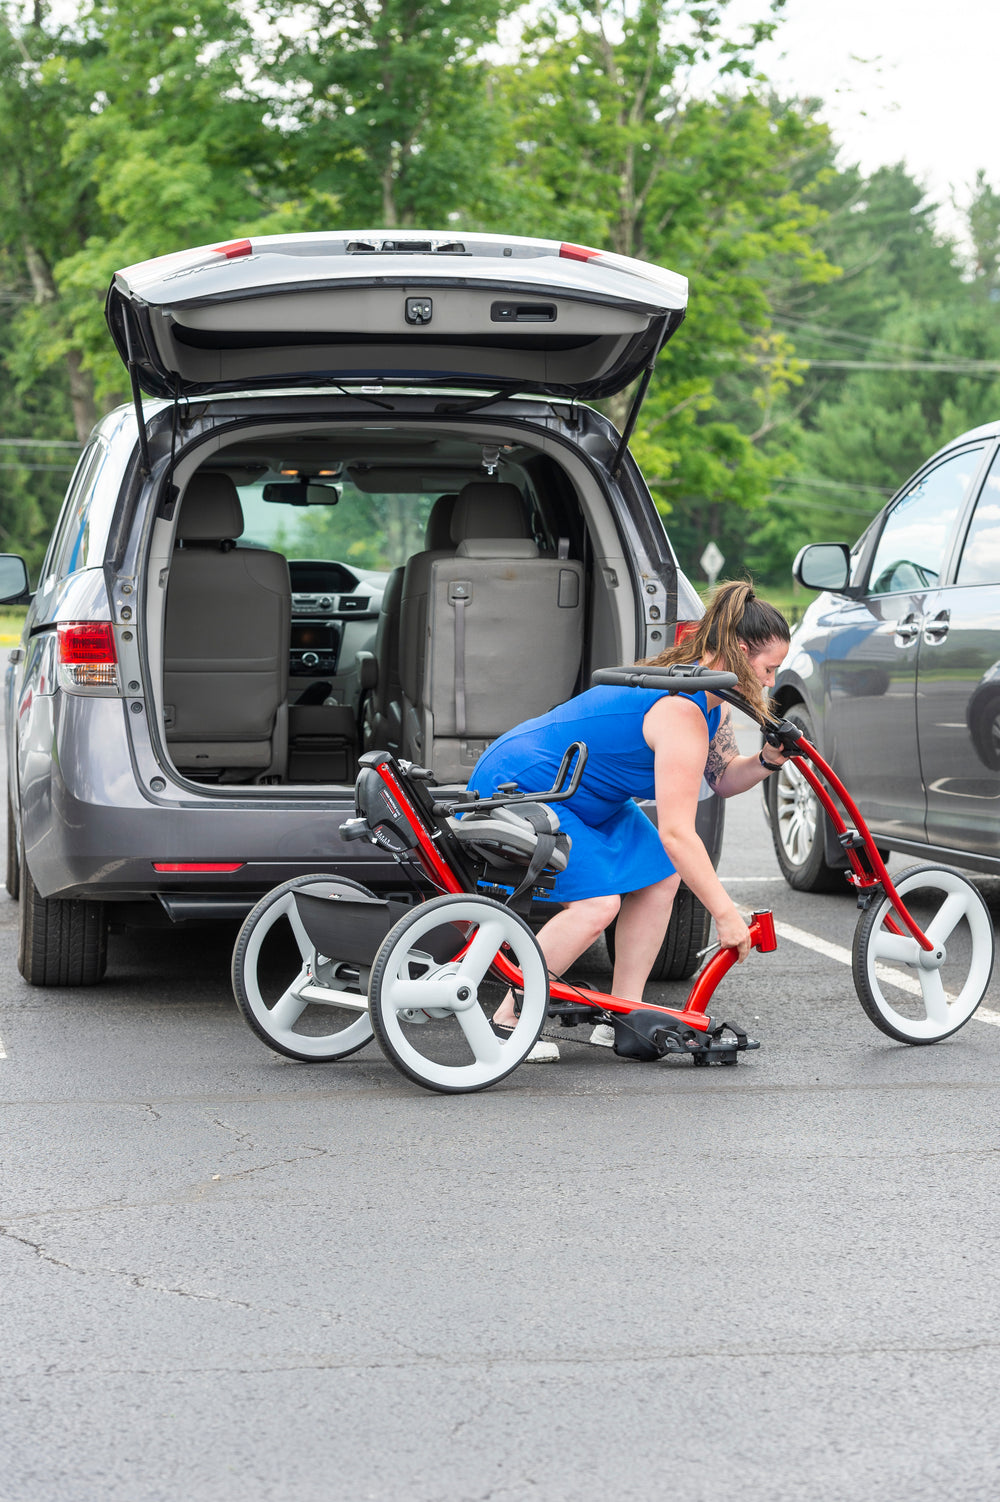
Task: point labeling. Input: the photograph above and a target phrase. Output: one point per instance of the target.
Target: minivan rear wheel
(798, 826)
(60, 941)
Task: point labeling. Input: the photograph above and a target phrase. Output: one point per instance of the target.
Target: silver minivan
(358, 500)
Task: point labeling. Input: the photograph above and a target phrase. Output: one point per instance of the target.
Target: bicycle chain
(563, 1036)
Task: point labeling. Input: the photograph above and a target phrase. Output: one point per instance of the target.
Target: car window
(911, 550)
(70, 549)
(362, 530)
(981, 554)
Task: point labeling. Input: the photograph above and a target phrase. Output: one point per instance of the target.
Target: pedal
(720, 1049)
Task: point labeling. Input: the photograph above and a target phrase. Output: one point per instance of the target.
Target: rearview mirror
(301, 493)
(823, 565)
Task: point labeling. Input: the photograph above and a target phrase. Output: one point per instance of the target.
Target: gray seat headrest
(497, 547)
(486, 508)
(437, 537)
(210, 510)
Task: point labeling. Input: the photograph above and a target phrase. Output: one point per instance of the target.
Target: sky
(903, 80)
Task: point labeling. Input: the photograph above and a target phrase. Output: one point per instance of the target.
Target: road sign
(711, 561)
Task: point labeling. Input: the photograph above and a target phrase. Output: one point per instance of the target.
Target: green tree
(984, 232)
(48, 205)
(386, 105)
(902, 356)
(130, 132)
(649, 131)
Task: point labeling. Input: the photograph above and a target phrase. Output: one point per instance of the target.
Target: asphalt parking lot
(228, 1276)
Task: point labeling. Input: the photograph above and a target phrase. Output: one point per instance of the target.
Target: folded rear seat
(491, 635)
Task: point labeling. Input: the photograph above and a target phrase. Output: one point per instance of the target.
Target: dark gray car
(365, 506)
(894, 672)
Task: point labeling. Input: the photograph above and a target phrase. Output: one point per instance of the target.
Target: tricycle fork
(868, 870)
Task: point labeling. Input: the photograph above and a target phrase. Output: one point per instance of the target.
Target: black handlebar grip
(681, 678)
(785, 736)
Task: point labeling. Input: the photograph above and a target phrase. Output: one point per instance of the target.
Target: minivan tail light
(88, 657)
(683, 630)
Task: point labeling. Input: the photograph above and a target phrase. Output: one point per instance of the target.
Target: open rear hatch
(495, 313)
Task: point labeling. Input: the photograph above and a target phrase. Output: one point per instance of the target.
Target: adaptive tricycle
(321, 963)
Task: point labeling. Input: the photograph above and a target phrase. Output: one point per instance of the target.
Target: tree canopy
(833, 336)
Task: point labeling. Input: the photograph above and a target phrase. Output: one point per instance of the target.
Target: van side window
(981, 554)
(70, 545)
(911, 551)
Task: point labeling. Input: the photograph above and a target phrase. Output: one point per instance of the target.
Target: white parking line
(843, 957)
(3, 1051)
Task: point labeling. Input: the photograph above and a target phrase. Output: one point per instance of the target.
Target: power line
(833, 484)
(987, 368)
(870, 339)
(796, 502)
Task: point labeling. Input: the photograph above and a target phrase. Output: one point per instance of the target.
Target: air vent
(353, 604)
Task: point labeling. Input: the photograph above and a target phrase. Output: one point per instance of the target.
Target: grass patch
(11, 625)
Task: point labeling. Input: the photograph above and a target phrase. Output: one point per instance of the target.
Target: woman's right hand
(733, 933)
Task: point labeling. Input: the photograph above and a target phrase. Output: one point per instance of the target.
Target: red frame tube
(862, 879)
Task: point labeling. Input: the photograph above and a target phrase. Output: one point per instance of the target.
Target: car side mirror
(823, 565)
(14, 588)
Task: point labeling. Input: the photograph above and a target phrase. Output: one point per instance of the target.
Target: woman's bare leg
(642, 922)
(565, 937)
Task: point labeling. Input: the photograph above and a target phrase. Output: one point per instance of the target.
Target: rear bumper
(90, 828)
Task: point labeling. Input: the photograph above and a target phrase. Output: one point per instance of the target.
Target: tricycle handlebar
(681, 678)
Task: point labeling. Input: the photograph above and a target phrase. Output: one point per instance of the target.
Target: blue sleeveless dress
(616, 848)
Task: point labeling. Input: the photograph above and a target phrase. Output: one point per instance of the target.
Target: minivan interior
(319, 591)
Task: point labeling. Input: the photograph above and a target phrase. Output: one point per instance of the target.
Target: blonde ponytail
(734, 615)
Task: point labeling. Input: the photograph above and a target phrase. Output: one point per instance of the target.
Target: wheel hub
(932, 959)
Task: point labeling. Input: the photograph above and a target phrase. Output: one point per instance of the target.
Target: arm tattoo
(721, 751)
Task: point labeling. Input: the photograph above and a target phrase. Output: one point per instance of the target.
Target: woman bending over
(644, 743)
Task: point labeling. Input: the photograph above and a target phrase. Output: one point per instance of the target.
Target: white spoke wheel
(433, 992)
(913, 997)
(303, 1004)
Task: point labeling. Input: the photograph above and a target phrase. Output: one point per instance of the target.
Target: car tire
(798, 826)
(686, 937)
(13, 864)
(60, 941)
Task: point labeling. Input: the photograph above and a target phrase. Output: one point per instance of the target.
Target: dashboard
(325, 597)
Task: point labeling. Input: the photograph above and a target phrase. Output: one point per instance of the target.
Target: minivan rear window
(362, 530)
(71, 546)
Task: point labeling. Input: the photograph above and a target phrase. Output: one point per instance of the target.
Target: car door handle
(906, 631)
(936, 629)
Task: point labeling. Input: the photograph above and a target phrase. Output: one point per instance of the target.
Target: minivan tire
(60, 941)
(811, 872)
(687, 936)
